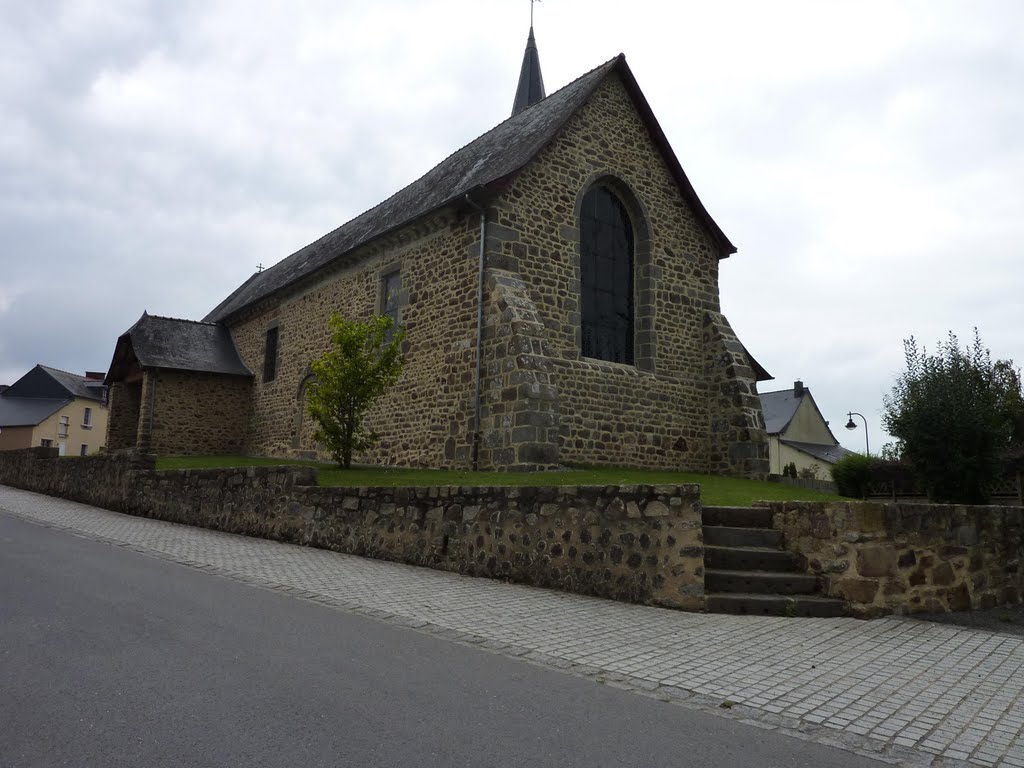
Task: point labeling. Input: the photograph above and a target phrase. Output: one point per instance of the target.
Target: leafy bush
(851, 474)
(954, 414)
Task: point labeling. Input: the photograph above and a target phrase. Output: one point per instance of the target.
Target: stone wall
(909, 558)
(123, 419)
(739, 443)
(657, 413)
(426, 419)
(634, 543)
(192, 413)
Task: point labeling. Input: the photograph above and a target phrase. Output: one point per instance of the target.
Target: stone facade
(123, 421)
(184, 413)
(909, 558)
(688, 403)
(634, 543)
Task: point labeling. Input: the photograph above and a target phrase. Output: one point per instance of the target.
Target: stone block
(858, 590)
(876, 561)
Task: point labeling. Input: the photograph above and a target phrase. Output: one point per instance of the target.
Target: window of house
(62, 429)
(87, 418)
(46, 443)
(606, 277)
(84, 451)
(270, 355)
(391, 285)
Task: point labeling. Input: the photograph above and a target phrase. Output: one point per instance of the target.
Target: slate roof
(183, 345)
(79, 386)
(827, 453)
(488, 160)
(27, 411)
(778, 409)
(531, 82)
(43, 382)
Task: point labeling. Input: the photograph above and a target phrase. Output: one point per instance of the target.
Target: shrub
(852, 474)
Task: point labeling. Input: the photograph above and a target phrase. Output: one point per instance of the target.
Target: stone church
(557, 278)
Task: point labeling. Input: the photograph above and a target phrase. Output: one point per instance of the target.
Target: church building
(557, 279)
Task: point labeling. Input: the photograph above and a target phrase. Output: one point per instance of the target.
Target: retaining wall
(633, 543)
(909, 558)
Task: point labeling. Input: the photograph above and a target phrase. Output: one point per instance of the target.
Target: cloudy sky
(867, 158)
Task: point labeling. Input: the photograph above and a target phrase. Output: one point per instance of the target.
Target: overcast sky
(867, 158)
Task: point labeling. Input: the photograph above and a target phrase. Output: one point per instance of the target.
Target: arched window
(606, 277)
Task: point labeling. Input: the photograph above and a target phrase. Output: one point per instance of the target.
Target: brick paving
(900, 690)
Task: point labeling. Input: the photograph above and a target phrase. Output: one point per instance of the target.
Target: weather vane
(531, 10)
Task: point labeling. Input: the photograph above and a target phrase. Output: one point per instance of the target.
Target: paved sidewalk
(904, 691)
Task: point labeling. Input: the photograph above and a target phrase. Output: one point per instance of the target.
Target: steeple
(531, 84)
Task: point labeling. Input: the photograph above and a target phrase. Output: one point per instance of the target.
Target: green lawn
(724, 491)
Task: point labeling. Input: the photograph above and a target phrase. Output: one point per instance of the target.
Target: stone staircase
(747, 570)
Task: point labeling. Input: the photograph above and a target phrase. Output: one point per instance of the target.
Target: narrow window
(391, 285)
(84, 451)
(606, 277)
(270, 355)
(87, 419)
(62, 429)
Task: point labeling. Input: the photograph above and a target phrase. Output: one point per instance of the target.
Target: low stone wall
(633, 543)
(908, 558)
(813, 483)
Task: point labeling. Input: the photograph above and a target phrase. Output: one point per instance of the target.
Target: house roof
(827, 453)
(27, 411)
(184, 345)
(778, 409)
(482, 164)
(44, 382)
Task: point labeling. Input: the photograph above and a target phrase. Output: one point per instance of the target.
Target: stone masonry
(543, 403)
(909, 558)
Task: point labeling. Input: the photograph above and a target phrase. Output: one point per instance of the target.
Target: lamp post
(851, 425)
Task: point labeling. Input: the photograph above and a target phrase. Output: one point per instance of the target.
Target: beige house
(52, 408)
(798, 433)
(557, 279)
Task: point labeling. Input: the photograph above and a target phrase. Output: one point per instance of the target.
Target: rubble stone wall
(909, 558)
(633, 543)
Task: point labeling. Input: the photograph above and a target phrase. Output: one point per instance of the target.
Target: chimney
(95, 375)
(798, 389)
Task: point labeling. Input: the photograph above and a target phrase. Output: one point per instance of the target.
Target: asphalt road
(112, 658)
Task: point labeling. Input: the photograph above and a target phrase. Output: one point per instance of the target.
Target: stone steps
(760, 582)
(776, 605)
(748, 571)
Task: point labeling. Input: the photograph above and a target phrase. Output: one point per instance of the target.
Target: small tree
(365, 359)
(950, 413)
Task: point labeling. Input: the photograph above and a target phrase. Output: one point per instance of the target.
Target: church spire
(531, 84)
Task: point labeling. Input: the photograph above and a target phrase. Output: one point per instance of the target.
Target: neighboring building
(798, 433)
(48, 407)
(558, 281)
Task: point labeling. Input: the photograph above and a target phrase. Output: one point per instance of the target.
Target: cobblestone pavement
(903, 691)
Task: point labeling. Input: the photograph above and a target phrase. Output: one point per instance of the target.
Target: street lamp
(851, 425)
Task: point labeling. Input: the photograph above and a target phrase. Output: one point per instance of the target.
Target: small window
(46, 443)
(270, 355)
(87, 418)
(62, 429)
(391, 285)
(84, 451)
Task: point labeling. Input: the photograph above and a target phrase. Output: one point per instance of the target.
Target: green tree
(364, 360)
(951, 413)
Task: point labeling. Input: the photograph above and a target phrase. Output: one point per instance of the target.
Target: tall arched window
(606, 277)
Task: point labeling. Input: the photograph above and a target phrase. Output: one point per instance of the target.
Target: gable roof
(27, 411)
(43, 382)
(490, 159)
(827, 453)
(778, 409)
(184, 345)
